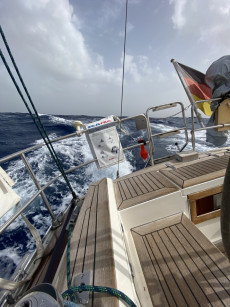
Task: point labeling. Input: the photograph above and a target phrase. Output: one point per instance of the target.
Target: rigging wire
(35, 118)
(124, 53)
(179, 112)
(123, 79)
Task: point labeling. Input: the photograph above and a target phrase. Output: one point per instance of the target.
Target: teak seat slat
(135, 186)
(189, 172)
(182, 174)
(130, 187)
(161, 181)
(145, 181)
(211, 273)
(121, 191)
(198, 171)
(180, 265)
(143, 187)
(127, 189)
(194, 170)
(171, 281)
(139, 182)
(191, 266)
(152, 181)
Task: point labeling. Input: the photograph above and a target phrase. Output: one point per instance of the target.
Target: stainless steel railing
(171, 132)
(41, 189)
(194, 130)
(146, 118)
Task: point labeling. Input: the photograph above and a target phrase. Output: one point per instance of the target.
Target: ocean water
(18, 132)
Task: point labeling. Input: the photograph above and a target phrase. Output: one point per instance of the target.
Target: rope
(68, 257)
(123, 79)
(41, 129)
(69, 294)
(70, 304)
(119, 124)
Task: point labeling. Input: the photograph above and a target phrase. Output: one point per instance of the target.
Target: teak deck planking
(91, 246)
(197, 171)
(146, 185)
(151, 183)
(181, 266)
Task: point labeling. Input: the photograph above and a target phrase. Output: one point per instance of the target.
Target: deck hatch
(180, 265)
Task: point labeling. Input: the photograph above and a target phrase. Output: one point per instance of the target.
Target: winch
(42, 295)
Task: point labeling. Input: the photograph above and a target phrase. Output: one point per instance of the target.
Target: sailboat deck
(181, 266)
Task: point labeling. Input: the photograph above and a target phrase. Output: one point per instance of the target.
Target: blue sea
(18, 132)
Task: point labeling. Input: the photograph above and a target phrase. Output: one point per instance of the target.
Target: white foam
(201, 144)
(161, 127)
(11, 252)
(60, 120)
(73, 152)
(43, 114)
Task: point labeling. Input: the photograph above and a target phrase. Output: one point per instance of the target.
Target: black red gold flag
(197, 87)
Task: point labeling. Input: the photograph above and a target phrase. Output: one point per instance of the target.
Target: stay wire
(179, 112)
(45, 138)
(123, 78)
(124, 53)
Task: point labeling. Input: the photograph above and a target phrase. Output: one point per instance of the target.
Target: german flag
(196, 85)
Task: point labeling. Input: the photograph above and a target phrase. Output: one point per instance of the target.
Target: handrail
(159, 108)
(28, 149)
(41, 189)
(32, 175)
(12, 218)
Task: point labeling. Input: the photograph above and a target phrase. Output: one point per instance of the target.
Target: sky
(70, 52)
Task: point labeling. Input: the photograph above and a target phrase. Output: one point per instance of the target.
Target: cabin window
(205, 205)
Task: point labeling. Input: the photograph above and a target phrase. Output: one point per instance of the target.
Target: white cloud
(206, 24)
(131, 68)
(129, 28)
(44, 32)
(61, 72)
(49, 43)
(139, 70)
(223, 7)
(178, 17)
(110, 10)
(48, 46)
